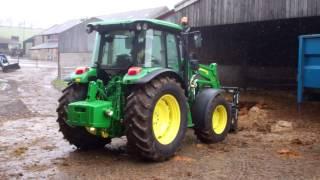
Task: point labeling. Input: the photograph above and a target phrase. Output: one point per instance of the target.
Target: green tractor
(144, 85)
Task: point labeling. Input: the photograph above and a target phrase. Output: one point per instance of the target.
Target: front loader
(6, 66)
(144, 85)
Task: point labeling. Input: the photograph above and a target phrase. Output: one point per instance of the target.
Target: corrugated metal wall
(217, 12)
(76, 39)
(256, 54)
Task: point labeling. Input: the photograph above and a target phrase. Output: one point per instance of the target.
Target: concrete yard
(276, 139)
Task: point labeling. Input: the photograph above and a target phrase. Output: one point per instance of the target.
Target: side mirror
(194, 63)
(197, 40)
(89, 28)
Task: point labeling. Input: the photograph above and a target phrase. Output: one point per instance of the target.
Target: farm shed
(255, 42)
(75, 45)
(47, 44)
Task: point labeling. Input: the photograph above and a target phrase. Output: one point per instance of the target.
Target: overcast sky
(45, 13)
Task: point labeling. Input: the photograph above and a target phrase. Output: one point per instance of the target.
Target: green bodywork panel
(84, 78)
(144, 72)
(205, 76)
(89, 114)
(92, 112)
(209, 76)
(101, 109)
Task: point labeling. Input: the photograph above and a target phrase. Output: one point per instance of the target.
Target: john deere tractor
(145, 85)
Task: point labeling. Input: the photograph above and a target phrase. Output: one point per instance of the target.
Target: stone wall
(44, 54)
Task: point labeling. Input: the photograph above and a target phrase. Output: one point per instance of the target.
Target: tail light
(81, 70)
(134, 71)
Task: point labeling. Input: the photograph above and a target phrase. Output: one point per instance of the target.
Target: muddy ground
(276, 139)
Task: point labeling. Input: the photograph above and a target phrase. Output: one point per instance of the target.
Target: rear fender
(84, 77)
(147, 75)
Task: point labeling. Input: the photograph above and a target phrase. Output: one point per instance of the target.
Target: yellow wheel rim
(219, 119)
(166, 119)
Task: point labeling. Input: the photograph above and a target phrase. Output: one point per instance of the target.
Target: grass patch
(59, 84)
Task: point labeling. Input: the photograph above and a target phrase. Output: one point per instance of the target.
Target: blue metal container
(309, 63)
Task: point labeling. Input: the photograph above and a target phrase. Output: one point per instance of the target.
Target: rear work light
(81, 70)
(134, 71)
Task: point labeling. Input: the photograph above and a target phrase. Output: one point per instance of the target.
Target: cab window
(172, 52)
(151, 49)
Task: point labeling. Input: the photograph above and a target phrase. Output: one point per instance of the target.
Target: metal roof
(137, 14)
(56, 29)
(48, 45)
(130, 21)
(184, 4)
(30, 39)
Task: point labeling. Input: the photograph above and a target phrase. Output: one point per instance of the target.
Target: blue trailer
(309, 64)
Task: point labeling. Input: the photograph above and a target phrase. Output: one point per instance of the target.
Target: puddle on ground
(14, 109)
(4, 86)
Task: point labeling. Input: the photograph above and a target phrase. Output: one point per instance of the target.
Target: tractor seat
(123, 61)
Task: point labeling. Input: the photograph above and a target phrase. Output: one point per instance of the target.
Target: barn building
(75, 45)
(254, 42)
(46, 45)
(70, 45)
(8, 46)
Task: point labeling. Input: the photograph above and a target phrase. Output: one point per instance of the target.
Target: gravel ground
(276, 139)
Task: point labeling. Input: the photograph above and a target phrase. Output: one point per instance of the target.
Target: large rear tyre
(156, 119)
(212, 117)
(77, 136)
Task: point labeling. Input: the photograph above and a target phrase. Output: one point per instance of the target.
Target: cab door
(173, 53)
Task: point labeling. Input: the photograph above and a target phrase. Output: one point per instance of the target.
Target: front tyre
(156, 119)
(212, 117)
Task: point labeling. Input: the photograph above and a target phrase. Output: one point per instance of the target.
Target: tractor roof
(154, 22)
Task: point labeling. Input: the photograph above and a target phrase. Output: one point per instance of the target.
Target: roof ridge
(131, 13)
(58, 28)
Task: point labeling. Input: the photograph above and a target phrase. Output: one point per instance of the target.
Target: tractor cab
(136, 44)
